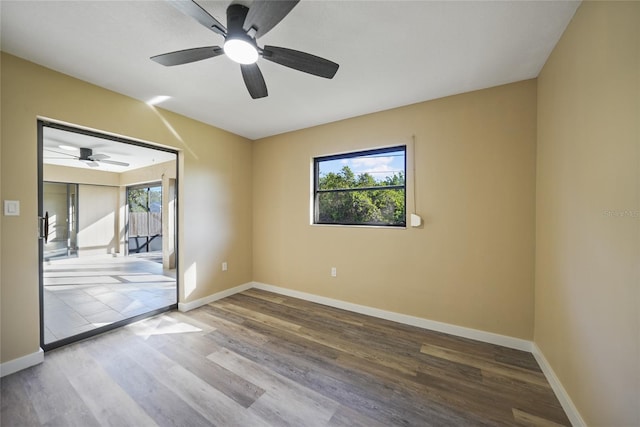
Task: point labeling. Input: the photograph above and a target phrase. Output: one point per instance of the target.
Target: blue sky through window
(379, 166)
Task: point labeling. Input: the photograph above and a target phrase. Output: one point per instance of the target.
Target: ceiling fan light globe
(241, 51)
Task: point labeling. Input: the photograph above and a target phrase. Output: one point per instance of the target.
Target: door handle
(44, 227)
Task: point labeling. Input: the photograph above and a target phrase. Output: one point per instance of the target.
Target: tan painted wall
(57, 173)
(214, 186)
(587, 320)
(98, 220)
(472, 262)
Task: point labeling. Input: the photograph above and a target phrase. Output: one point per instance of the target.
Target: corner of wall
(558, 389)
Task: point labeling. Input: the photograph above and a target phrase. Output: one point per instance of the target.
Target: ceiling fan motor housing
(86, 153)
(239, 45)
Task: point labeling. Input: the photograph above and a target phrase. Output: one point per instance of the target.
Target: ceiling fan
(90, 159)
(244, 26)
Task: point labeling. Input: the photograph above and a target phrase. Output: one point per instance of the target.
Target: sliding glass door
(145, 218)
(87, 284)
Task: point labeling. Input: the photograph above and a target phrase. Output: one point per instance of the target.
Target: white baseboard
(24, 362)
(186, 306)
(562, 395)
(461, 331)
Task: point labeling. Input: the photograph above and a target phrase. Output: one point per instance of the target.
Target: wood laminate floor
(258, 359)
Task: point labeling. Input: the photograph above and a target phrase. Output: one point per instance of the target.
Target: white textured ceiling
(391, 53)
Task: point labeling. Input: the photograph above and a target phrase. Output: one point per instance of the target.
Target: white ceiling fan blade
(99, 156)
(114, 162)
(91, 163)
(61, 153)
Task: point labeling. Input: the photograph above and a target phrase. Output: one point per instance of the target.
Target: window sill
(383, 227)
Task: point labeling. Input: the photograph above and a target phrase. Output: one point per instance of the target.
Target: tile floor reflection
(81, 294)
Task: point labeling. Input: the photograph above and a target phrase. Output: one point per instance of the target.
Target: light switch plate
(12, 207)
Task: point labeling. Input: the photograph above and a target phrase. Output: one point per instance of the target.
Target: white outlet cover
(416, 220)
(12, 207)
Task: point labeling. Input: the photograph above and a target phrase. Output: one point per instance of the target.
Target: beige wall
(588, 212)
(472, 262)
(98, 220)
(214, 186)
(57, 173)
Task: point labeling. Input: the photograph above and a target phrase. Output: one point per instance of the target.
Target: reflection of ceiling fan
(92, 160)
(87, 156)
(244, 26)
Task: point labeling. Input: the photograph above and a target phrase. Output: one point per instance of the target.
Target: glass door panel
(59, 201)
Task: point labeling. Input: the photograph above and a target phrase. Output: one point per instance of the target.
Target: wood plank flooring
(262, 359)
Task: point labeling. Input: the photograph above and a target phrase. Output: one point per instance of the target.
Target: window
(145, 218)
(361, 188)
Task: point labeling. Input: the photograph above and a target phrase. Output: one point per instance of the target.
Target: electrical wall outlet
(334, 272)
(224, 266)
